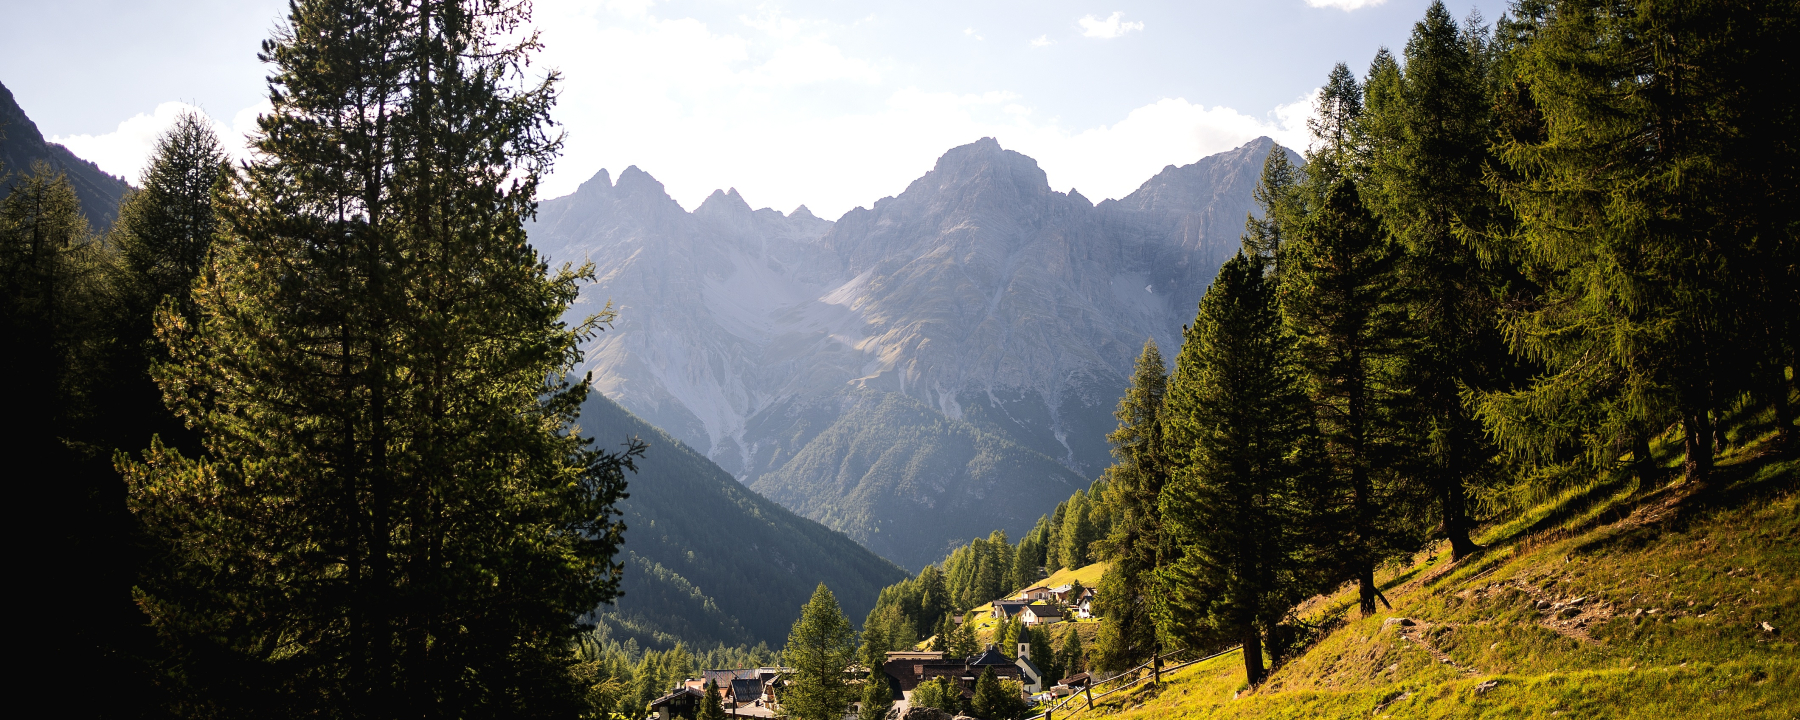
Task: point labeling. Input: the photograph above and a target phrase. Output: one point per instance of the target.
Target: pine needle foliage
(1427, 126)
(1652, 178)
(1338, 299)
(1133, 485)
(820, 646)
(393, 509)
(1239, 414)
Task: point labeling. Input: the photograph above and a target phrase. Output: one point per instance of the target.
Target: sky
(826, 103)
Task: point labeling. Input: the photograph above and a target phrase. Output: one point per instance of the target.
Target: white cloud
(971, 33)
(1344, 5)
(1041, 41)
(789, 114)
(1113, 26)
(126, 150)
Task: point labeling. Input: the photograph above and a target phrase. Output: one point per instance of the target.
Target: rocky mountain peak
(724, 204)
(986, 166)
(598, 186)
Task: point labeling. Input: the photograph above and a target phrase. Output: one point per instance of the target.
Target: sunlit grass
(1675, 585)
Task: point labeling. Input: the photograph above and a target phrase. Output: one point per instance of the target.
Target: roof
(1046, 611)
(1025, 663)
(681, 694)
(744, 689)
(1062, 588)
(1034, 589)
(990, 656)
(725, 677)
(1076, 679)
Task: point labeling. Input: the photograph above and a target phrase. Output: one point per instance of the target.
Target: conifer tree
(1007, 636)
(1428, 131)
(962, 641)
(1134, 546)
(1238, 417)
(67, 502)
(393, 511)
(1337, 297)
(1053, 542)
(992, 700)
(1077, 532)
(162, 236)
(710, 706)
(1041, 654)
(1070, 660)
(818, 649)
(1274, 194)
(1653, 190)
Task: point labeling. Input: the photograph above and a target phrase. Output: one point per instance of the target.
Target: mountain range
(915, 373)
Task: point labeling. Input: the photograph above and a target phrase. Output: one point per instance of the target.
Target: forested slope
(709, 561)
(1614, 599)
(21, 144)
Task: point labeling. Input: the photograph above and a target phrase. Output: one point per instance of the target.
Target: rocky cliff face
(919, 372)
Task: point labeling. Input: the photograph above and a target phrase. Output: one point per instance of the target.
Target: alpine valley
(913, 374)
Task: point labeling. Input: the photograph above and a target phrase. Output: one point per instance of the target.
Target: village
(757, 692)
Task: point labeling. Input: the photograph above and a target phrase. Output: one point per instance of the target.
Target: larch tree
(1653, 188)
(819, 648)
(711, 707)
(393, 510)
(162, 237)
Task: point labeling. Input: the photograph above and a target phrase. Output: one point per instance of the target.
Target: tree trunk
(1456, 518)
(1698, 431)
(1640, 457)
(1253, 655)
(1784, 414)
(1365, 587)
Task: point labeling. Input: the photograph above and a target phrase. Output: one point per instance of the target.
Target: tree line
(300, 431)
(1513, 256)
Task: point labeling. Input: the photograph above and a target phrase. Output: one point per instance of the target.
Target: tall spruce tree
(1654, 195)
(1428, 130)
(1134, 545)
(1071, 658)
(819, 648)
(1238, 419)
(393, 512)
(1337, 296)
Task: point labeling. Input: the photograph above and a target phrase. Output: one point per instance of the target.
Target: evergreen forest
(303, 436)
(1516, 256)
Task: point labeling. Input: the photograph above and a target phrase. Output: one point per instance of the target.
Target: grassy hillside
(1612, 600)
(707, 560)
